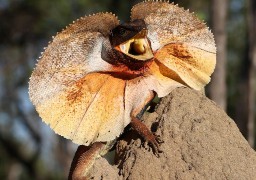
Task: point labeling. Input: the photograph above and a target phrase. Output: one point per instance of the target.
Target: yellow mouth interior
(137, 47)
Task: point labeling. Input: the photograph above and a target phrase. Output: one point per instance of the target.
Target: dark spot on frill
(75, 94)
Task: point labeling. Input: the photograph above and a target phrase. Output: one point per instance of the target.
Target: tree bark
(200, 142)
(251, 71)
(217, 88)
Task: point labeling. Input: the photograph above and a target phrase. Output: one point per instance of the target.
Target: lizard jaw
(138, 47)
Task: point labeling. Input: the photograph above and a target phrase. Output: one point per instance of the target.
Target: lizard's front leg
(143, 131)
(141, 128)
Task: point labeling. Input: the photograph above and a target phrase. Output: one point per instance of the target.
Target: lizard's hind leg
(84, 159)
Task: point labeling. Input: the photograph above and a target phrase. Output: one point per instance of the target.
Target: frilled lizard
(97, 75)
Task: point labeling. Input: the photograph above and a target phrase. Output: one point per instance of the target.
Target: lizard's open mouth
(138, 47)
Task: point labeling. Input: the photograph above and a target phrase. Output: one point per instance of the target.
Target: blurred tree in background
(28, 148)
(218, 25)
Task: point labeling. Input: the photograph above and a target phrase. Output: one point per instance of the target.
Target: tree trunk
(217, 88)
(251, 70)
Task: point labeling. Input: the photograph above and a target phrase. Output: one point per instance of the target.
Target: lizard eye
(122, 31)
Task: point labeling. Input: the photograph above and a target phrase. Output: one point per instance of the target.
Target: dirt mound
(200, 142)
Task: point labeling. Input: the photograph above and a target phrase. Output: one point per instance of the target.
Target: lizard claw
(158, 139)
(152, 139)
(155, 142)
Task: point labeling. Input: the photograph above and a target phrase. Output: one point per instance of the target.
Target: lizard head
(131, 39)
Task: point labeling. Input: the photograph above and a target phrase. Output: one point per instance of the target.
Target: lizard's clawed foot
(153, 140)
